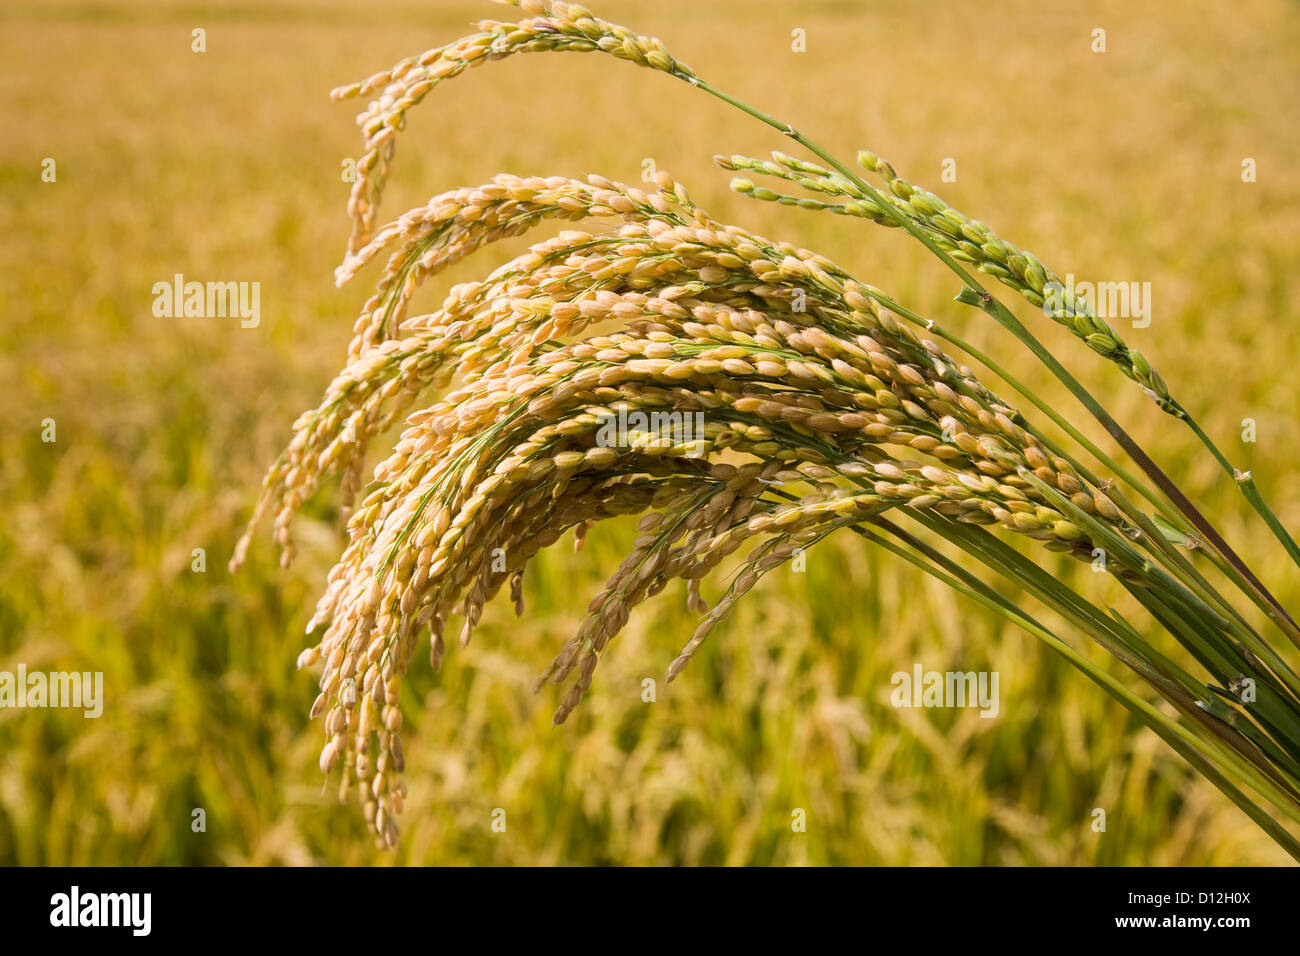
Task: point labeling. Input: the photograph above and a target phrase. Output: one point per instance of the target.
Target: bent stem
(1246, 483)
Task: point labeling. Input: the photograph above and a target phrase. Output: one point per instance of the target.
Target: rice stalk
(765, 398)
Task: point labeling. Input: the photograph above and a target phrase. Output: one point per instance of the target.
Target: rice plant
(737, 392)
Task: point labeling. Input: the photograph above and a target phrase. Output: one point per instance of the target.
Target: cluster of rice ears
(739, 394)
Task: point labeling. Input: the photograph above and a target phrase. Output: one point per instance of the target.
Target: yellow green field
(225, 165)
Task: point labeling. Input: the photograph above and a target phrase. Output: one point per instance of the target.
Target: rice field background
(225, 165)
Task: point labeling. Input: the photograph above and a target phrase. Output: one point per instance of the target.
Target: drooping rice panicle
(733, 392)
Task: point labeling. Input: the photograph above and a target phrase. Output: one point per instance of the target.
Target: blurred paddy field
(226, 165)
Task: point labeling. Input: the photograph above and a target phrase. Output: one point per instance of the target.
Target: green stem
(1247, 485)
